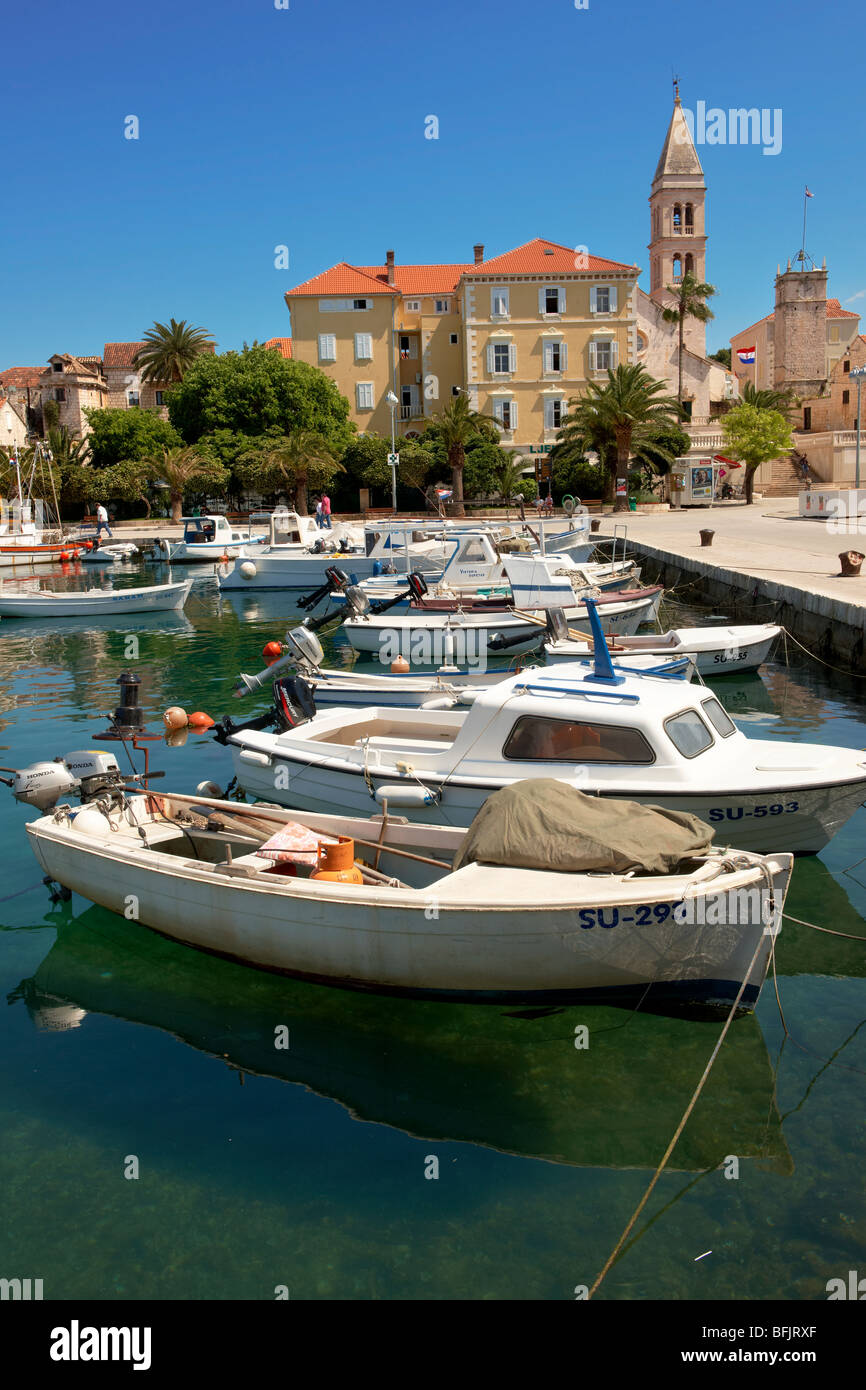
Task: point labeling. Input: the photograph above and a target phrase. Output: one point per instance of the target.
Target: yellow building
(522, 333)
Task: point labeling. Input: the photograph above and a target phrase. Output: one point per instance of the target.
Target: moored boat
(46, 603)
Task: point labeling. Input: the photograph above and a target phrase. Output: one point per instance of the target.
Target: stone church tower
(677, 203)
(800, 331)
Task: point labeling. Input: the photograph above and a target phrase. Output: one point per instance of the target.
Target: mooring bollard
(850, 560)
(707, 537)
(595, 524)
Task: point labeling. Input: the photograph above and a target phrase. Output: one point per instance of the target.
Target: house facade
(76, 384)
(126, 389)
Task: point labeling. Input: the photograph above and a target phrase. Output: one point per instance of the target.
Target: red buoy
(64, 557)
(199, 720)
(272, 651)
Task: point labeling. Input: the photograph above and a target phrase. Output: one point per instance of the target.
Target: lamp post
(859, 373)
(392, 401)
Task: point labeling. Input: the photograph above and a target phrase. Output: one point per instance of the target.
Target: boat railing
(545, 689)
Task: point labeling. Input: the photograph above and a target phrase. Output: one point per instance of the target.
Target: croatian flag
(444, 493)
(747, 355)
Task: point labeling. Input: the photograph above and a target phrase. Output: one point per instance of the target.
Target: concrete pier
(765, 564)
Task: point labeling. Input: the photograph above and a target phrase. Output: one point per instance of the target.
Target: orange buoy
(272, 651)
(75, 554)
(64, 557)
(199, 720)
(175, 718)
(88, 545)
(399, 666)
(336, 862)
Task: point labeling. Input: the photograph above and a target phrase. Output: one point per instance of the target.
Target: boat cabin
(211, 530)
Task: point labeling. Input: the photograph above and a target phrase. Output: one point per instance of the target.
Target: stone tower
(800, 331)
(677, 202)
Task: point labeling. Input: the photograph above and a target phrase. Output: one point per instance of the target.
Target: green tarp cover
(543, 823)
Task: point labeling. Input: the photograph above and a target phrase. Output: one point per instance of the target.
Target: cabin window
(719, 718)
(535, 739)
(688, 733)
(473, 550)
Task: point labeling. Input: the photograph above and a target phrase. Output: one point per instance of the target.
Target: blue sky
(304, 127)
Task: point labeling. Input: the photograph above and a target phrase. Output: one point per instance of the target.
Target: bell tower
(677, 202)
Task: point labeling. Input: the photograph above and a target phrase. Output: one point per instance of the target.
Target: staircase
(786, 478)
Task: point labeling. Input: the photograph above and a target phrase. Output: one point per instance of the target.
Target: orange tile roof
(342, 279)
(121, 354)
(541, 257)
(21, 377)
(420, 279)
(282, 345)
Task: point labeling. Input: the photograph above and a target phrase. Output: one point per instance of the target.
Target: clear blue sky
(305, 127)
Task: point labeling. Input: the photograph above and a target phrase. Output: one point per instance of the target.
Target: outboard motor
(334, 579)
(557, 625)
(294, 702)
(306, 645)
(357, 602)
(417, 585)
(88, 774)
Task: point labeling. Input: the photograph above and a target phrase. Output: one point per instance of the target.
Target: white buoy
(209, 789)
(248, 570)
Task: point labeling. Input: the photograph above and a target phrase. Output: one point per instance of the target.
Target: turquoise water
(306, 1168)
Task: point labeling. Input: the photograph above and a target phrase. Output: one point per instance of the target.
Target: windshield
(688, 733)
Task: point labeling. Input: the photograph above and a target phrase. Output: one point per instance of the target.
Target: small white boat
(236, 880)
(45, 603)
(716, 651)
(384, 545)
(110, 554)
(209, 538)
(659, 742)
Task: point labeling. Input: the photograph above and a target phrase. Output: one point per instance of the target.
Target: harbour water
(398, 1149)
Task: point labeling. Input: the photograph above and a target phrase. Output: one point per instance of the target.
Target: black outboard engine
(317, 547)
(335, 579)
(557, 625)
(417, 585)
(294, 702)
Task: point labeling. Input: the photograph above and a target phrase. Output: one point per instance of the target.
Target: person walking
(319, 521)
(326, 511)
(102, 520)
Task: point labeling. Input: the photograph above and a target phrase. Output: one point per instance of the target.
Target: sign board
(393, 460)
(702, 481)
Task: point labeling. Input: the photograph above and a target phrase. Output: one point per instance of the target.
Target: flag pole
(803, 245)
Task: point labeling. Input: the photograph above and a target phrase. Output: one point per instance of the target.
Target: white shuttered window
(364, 393)
(555, 357)
(506, 413)
(327, 347)
(499, 302)
(363, 346)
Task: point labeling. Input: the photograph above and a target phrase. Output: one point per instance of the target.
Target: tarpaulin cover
(543, 823)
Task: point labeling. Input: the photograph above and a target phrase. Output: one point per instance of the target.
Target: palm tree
(509, 479)
(170, 350)
(764, 398)
(689, 295)
(456, 425)
(181, 468)
(294, 458)
(629, 409)
(66, 448)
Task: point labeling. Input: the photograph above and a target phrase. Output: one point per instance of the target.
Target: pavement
(767, 540)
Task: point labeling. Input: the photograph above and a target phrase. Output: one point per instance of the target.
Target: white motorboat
(45, 603)
(209, 538)
(386, 545)
(425, 636)
(645, 909)
(716, 651)
(656, 741)
(110, 554)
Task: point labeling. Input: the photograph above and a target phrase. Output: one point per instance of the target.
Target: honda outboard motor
(87, 774)
(557, 625)
(294, 702)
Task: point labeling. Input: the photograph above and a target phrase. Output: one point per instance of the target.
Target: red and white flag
(808, 194)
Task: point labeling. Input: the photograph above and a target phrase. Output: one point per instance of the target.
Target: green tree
(690, 296)
(608, 420)
(66, 447)
(51, 414)
(170, 350)
(723, 355)
(299, 460)
(655, 449)
(764, 398)
(117, 435)
(257, 392)
(754, 436)
(457, 426)
(183, 470)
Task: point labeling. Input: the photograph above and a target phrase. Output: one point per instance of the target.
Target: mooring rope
(849, 936)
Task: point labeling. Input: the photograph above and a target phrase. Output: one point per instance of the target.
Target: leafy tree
(299, 460)
(723, 355)
(66, 447)
(484, 462)
(366, 459)
(578, 476)
(51, 414)
(258, 392)
(764, 398)
(182, 469)
(690, 296)
(754, 436)
(117, 435)
(171, 350)
(457, 425)
(655, 449)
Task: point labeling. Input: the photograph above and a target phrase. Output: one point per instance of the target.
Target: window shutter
(497, 411)
(561, 293)
(547, 355)
(541, 300)
(614, 352)
(592, 358)
(514, 415)
(612, 293)
(563, 355)
(489, 358)
(512, 358)
(593, 300)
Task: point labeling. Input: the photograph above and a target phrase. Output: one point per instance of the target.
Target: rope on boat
(849, 936)
(682, 1124)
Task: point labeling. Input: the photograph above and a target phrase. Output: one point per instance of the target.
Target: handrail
(533, 689)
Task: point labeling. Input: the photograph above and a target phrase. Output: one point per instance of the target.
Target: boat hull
(159, 598)
(436, 946)
(732, 651)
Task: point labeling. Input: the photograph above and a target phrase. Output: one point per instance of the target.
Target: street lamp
(859, 373)
(392, 401)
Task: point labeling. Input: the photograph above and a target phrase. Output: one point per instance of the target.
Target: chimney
(389, 262)
(478, 251)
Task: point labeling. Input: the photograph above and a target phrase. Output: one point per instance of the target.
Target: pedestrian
(102, 520)
(326, 510)
(319, 521)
